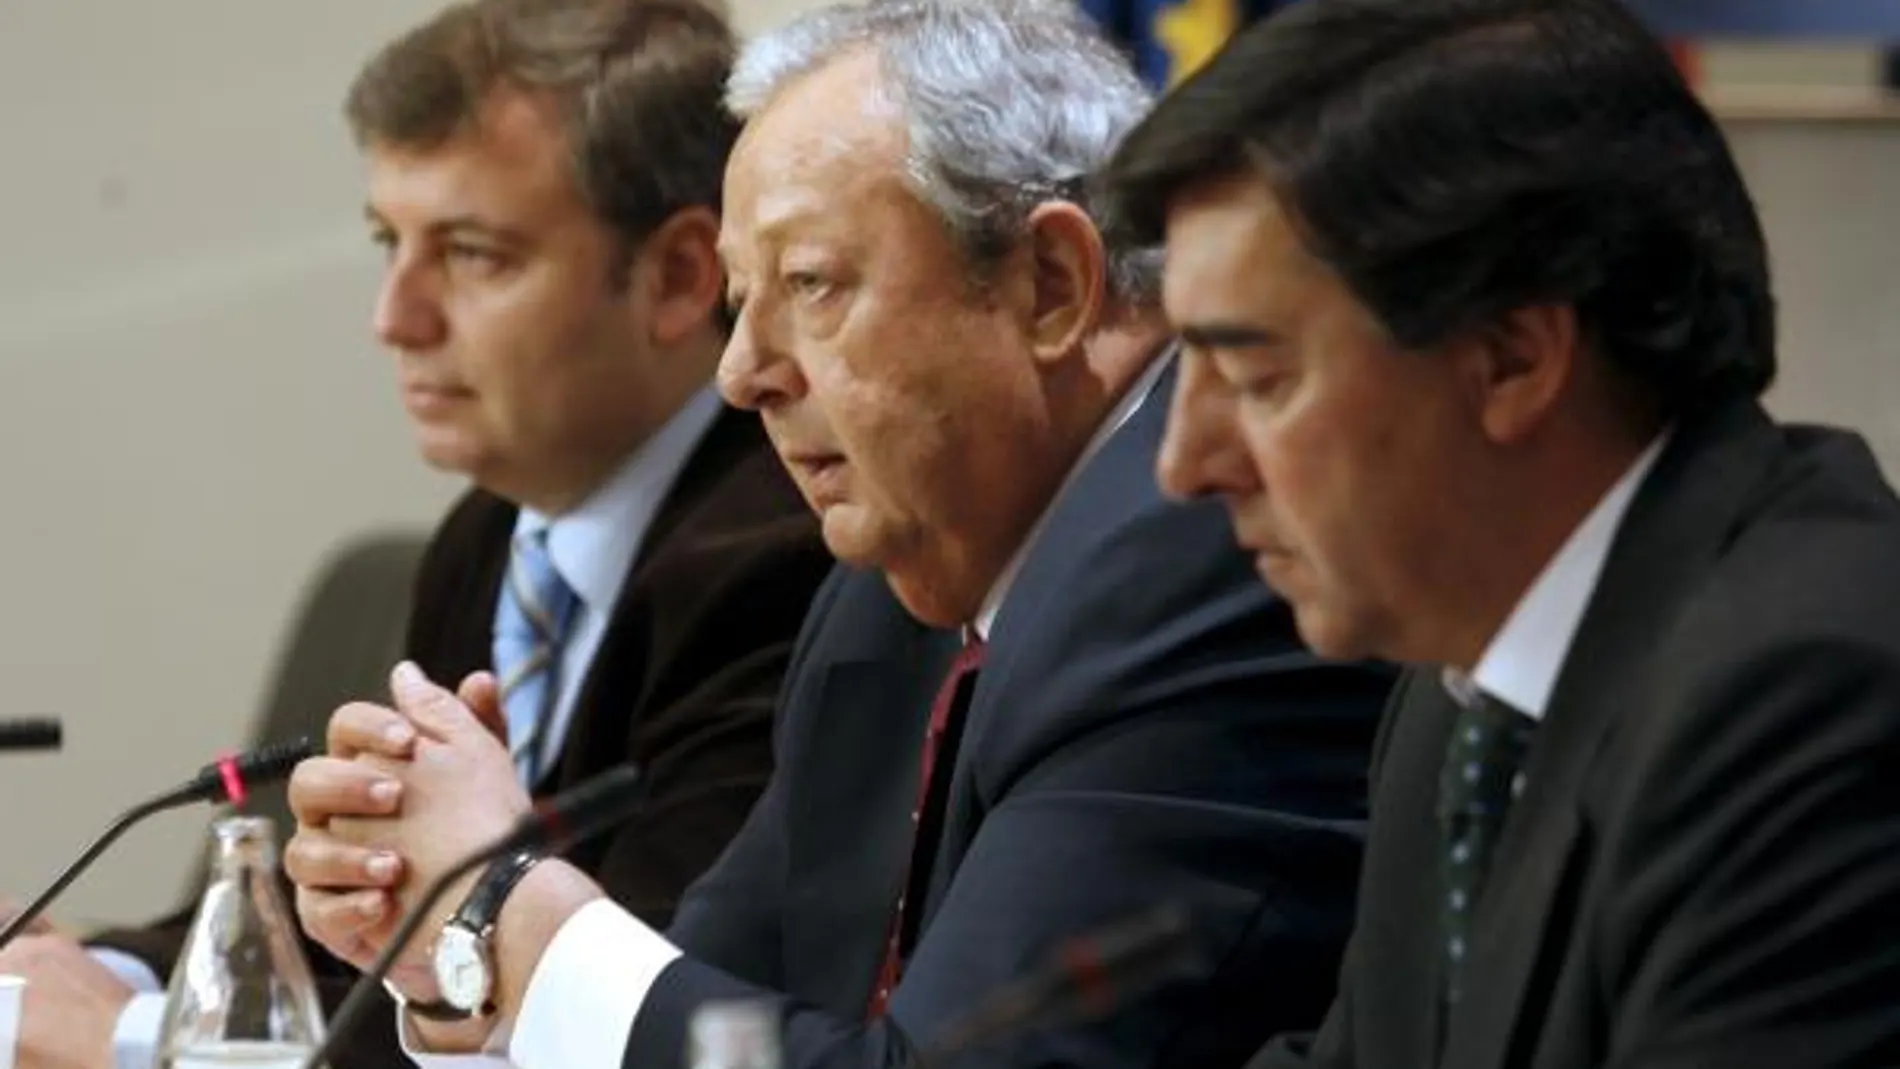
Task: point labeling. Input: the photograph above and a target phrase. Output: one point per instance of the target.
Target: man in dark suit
(1477, 316)
(555, 333)
(1037, 699)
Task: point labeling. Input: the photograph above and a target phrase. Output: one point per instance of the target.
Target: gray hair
(1007, 103)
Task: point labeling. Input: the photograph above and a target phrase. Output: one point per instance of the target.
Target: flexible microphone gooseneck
(225, 780)
(1084, 979)
(562, 821)
(39, 733)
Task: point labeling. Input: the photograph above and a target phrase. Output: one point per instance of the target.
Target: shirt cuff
(134, 973)
(135, 1035)
(587, 990)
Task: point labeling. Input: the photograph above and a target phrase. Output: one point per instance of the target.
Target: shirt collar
(1129, 404)
(1520, 665)
(593, 545)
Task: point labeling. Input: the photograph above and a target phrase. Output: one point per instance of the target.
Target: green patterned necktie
(1480, 780)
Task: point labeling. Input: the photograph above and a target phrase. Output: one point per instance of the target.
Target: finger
(345, 924)
(433, 710)
(319, 862)
(326, 787)
(364, 727)
(482, 694)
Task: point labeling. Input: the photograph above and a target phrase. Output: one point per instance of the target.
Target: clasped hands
(403, 794)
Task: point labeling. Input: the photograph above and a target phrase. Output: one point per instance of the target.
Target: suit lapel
(1675, 528)
(618, 671)
(1396, 922)
(1094, 502)
(869, 710)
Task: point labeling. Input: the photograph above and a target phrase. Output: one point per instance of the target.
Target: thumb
(482, 694)
(432, 708)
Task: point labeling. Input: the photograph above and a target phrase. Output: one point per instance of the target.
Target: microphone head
(581, 813)
(275, 761)
(37, 733)
(232, 778)
(1086, 978)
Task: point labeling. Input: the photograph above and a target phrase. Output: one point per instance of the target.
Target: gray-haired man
(968, 386)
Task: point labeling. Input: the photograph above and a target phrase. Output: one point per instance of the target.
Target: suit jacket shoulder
(1146, 729)
(1706, 836)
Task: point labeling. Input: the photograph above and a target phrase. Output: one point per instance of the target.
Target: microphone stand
(213, 782)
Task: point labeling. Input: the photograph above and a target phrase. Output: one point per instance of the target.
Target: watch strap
(478, 914)
(483, 905)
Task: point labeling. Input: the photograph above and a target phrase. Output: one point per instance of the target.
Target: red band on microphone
(551, 826)
(1080, 959)
(233, 780)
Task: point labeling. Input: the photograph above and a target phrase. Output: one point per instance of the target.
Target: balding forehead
(823, 143)
(841, 105)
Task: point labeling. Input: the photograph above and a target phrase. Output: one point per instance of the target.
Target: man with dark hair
(632, 561)
(1477, 315)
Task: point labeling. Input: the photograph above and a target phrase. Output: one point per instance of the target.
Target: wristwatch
(464, 957)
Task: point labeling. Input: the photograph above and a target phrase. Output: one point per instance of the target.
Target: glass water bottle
(241, 994)
(739, 1034)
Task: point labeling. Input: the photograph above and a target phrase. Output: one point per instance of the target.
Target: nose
(756, 373)
(408, 313)
(1202, 453)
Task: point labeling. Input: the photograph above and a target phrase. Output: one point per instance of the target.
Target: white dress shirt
(589, 986)
(1520, 664)
(593, 548)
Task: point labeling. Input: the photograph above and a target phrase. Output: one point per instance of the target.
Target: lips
(436, 389)
(423, 399)
(821, 474)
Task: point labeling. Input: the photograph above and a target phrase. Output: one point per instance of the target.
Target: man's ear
(677, 268)
(1067, 290)
(1516, 368)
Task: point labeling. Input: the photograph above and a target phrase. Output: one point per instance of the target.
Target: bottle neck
(244, 844)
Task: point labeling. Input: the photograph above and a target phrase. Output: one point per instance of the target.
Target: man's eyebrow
(452, 224)
(1220, 335)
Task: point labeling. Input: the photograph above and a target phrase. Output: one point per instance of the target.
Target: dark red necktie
(946, 714)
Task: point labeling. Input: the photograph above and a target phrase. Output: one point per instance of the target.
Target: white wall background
(192, 412)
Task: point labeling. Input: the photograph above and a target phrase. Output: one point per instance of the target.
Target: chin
(452, 457)
(930, 604)
(1328, 635)
(447, 443)
(848, 536)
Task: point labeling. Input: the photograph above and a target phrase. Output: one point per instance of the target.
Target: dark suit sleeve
(1159, 805)
(1328, 1048)
(729, 917)
(706, 735)
(1331, 1047)
(1760, 879)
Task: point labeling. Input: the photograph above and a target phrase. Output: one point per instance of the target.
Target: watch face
(461, 969)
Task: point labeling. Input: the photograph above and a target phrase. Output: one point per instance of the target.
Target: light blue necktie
(531, 622)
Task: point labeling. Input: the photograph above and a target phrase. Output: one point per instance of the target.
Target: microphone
(224, 780)
(39, 733)
(1085, 978)
(568, 818)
